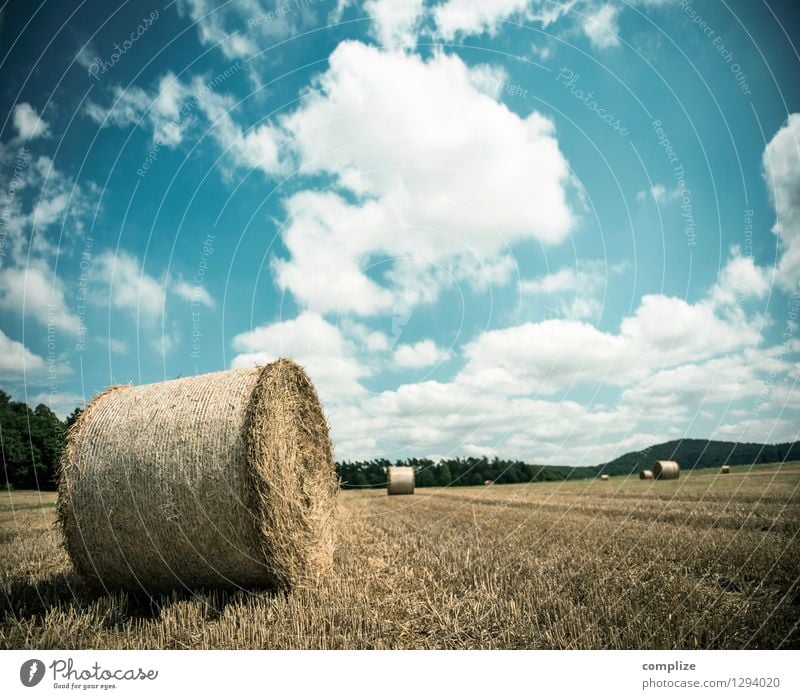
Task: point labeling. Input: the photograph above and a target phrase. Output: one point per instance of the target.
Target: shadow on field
(66, 592)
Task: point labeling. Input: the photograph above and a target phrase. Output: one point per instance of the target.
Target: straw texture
(646, 475)
(666, 470)
(218, 480)
(400, 480)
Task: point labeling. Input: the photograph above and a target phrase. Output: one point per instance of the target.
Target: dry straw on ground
(666, 470)
(726, 469)
(400, 480)
(218, 480)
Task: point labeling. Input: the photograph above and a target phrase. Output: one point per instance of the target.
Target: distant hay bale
(604, 477)
(219, 480)
(726, 469)
(666, 470)
(646, 475)
(400, 480)
(488, 482)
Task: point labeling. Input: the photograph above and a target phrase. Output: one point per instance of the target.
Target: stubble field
(708, 561)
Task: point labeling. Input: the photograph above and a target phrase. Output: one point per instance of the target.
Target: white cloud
(440, 171)
(600, 24)
(242, 28)
(395, 22)
(16, 359)
(781, 163)
(575, 292)
(312, 341)
(62, 404)
(422, 354)
(126, 286)
(193, 293)
(465, 17)
(659, 193)
(670, 358)
(35, 292)
(167, 111)
(28, 123)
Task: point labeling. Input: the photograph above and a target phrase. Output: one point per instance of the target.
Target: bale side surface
(219, 480)
(666, 470)
(400, 480)
(646, 475)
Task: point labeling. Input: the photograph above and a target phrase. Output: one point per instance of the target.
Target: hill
(702, 453)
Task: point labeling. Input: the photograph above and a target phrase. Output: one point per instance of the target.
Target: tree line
(31, 442)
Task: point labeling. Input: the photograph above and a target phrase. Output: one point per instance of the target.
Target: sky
(549, 231)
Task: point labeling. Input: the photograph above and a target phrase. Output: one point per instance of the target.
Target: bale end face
(400, 480)
(666, 470)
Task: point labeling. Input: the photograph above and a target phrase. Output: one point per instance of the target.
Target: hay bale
(400, 480)
(666, 470)
(646, 475)
(604, 477)
(219, 480)
(488, 482)
(725, 469)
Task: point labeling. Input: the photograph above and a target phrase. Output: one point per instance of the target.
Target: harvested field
(699, 562)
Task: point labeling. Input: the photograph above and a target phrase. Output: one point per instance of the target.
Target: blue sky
(548, 231)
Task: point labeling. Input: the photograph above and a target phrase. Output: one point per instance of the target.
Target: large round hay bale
(726, 469)
(604, 477)
(666, 470)
(646, 475)
(400, 480)
(219, 480)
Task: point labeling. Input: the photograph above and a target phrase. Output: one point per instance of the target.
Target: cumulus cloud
(395, 22)
(28, 123)
(16, 359)
(669, 359)
(166, 111)
(36, 292)
(574, 292)
(465, 17)
(126, 286)
(781, 163)
(313, 342)
(193, 293)
(439, 171)
(600, 24)
(421, 354)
